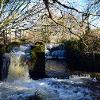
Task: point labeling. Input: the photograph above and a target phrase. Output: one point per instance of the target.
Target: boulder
(4, 66)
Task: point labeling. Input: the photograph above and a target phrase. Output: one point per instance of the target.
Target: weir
(18, 69)
(19, 86)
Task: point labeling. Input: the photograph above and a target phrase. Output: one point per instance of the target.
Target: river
(19, 86)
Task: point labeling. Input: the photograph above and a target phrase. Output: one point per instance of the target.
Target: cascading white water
(18, 70)
(19, 86)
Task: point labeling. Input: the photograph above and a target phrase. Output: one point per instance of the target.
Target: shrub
(11, 45)
(23, 41)
(78, 59)
(75, 46)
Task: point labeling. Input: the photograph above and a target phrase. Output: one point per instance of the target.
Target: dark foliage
(11, 45)
(80, 61)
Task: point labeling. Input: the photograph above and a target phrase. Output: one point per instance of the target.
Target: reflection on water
(56, 68)
(55, 65)
(74, 88)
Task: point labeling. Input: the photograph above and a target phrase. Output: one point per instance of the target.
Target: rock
(4, 65)
(39, 68)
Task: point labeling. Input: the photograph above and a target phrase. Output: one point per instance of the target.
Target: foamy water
(18, 86)
(18, 68)
(48, 89)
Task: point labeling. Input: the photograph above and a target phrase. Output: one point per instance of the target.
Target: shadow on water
(55, 61)
(74, 88)
(56, 68)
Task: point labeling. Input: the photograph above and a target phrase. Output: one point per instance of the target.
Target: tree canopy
(24, 14)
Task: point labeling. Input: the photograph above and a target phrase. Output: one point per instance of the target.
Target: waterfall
(20, 87)
(18, 69)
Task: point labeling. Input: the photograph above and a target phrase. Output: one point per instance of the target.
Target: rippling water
(20, 87)
(50, 89)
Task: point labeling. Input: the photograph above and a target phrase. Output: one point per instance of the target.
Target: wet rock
(4, 65)
(38, 71)
(34, 97)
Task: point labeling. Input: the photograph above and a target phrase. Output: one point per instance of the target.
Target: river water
(19, 86)
(75, 88)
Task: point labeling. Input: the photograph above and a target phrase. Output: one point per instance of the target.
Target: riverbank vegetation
(57, 22)
(49, 49)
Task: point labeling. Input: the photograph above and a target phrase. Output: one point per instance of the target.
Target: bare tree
(20, 14)
(83, 19)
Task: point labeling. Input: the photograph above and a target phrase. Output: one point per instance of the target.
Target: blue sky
(80, 5)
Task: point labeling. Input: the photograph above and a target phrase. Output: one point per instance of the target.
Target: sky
(81, 6)
(78, 4)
